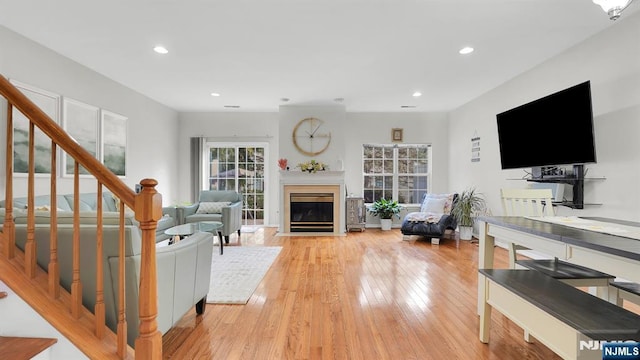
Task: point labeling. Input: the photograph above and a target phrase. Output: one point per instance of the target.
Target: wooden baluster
(54, 266)
(76, 285)
(99, 310)
(148, 210)
(30, 246)
(122, 317)
(9, 227)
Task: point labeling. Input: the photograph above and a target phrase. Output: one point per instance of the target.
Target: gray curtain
(197, 150)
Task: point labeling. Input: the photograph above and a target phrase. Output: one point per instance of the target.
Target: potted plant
(465, 210)
(385, 209)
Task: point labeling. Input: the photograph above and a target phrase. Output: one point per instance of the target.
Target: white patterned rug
(236, 274)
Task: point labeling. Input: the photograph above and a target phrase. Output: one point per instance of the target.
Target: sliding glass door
(239, 167)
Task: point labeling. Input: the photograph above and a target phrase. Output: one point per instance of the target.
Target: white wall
(611, 61)
(230, 127)
(152, 127)
(348, 132)
(375, 128)
(19, 319)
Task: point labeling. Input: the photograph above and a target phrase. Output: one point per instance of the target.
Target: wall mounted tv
(554, 130)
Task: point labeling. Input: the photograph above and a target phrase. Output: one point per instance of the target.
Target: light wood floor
(368, 295)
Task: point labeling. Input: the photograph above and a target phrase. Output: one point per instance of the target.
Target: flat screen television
(554, 130)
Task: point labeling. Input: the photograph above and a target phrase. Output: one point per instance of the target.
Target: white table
(615, 255)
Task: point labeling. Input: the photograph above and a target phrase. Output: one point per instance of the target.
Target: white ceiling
(373, 53)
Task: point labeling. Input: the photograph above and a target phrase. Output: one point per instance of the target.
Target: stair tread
(12, 347)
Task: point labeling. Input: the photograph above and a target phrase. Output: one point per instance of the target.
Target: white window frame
(220, 144)
(395, 175)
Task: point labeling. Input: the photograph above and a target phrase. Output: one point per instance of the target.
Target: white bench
(560, 316)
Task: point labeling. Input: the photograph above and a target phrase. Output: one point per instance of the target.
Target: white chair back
(527, 202)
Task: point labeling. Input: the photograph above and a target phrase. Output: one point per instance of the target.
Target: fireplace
(311, 204)
(311, 212)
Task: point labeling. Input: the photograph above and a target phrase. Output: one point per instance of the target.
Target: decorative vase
(385, 224)
(465, 232)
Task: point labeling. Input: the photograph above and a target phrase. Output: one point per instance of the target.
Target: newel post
(148, 210)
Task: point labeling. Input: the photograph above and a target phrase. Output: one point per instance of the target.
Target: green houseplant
(385, 209)
(467, 206)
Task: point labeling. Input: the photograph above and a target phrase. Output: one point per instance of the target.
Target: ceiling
(374, 54)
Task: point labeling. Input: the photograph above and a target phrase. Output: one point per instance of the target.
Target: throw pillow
(212, 207)
(434, 205)
(447, 205)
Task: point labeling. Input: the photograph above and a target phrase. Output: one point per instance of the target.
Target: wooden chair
(525, 202)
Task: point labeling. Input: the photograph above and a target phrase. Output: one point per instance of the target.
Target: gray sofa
(183, 271)
(88, 205)
(230, 214)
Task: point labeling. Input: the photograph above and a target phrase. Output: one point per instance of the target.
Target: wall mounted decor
(49, 103)
(80, 121)
(396, 134)
(114, 142)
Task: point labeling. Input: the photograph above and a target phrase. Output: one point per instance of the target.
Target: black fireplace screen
(311, 212)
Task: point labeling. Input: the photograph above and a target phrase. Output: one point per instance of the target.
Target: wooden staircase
(41, 289)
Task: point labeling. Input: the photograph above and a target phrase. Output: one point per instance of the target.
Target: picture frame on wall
(114, 142)
(49, 103)
(396, 134)
(80, 121)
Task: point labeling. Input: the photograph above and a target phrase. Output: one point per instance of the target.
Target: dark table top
(592, 316)
(610, 244)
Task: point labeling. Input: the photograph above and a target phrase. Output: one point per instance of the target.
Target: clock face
(310, 137)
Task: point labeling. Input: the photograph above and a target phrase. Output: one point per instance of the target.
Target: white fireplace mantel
(317, 178)
(320, 177)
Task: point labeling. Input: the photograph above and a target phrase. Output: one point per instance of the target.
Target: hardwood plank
(369, 295)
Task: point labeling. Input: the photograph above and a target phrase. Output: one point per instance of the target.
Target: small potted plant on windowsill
(386, 210)
(465, 210)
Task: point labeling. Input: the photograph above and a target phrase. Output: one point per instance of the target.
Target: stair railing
(147, 206)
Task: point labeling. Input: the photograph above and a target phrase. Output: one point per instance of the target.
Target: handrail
(66, 142)
(147, 206)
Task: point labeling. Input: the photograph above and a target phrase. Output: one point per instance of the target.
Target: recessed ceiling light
(407, 106)
(160, 49)
(417, 94)
(284, 99)
(232, 106)
(466, 50)
(215, 94)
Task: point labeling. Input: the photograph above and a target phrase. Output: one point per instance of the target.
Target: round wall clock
(310, 136)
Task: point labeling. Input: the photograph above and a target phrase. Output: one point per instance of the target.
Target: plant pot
(385, 224)
(465, 232)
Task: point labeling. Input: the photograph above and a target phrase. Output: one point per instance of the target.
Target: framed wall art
(114, 142)
(81, 123)
(49, 103)
(396, 134)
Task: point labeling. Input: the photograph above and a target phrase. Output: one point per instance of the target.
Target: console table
(615, 255)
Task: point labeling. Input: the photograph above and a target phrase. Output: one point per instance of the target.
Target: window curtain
(197, 151)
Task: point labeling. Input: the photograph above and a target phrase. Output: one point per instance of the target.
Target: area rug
(236, 274)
